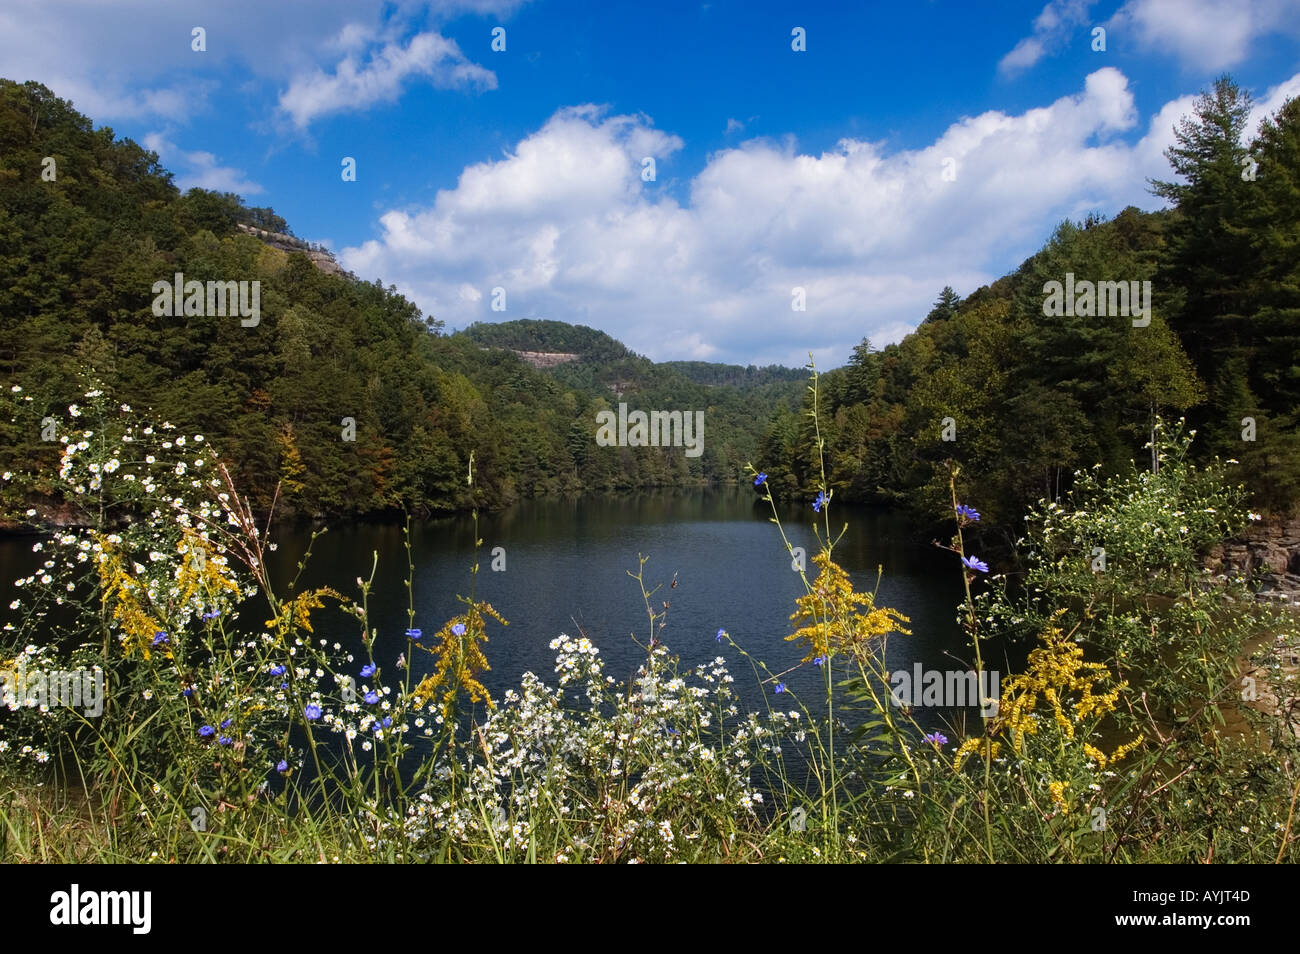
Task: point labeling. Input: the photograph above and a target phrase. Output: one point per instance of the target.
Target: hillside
(340, 391)
(351, 401)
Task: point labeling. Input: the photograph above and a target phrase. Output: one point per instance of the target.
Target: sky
(907, 146)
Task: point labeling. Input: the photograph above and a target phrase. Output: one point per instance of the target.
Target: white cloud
(1271, 102)
(131, 59)
(1203, 34)
(1052, 29)
(566, 225)
(199, 169)
(355, 85)
(1206, 34)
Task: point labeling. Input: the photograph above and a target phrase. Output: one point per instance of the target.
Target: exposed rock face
(546, 359)
(287, 243)
(1270, 550)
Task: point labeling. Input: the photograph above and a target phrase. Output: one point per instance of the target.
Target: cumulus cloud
(199, 169)
(97, 55)
(355, 85)
(1202, 34)
(1206, 34)
(1052, 29)
(566, 225)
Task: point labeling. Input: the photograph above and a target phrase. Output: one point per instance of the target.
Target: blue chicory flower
(760, 479)
(780, 688)
(964, 511)
(936, 738)
(975, 563)
(206, 731)
(414, 634)
(367, 670)
(372, 697)
(820, 502)
(458, 629)
(159, 637)
(721, 634)
(312, 712)
(282, 766)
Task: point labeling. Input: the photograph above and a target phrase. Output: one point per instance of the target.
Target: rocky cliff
(1270, 551)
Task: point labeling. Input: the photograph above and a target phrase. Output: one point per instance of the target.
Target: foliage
(222, 739)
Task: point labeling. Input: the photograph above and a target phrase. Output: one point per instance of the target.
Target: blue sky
(775, 169)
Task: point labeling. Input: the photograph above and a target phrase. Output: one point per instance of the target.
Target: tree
(862, 374)
(1209, 256)
(946, 307)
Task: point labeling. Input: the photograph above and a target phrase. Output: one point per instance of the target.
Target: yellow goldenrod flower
(833, 614)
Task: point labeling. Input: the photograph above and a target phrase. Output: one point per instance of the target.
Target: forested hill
(342, 394)
(601, 366)
(88, 224)
(1020, 390)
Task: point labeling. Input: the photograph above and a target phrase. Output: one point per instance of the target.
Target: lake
(566, 571)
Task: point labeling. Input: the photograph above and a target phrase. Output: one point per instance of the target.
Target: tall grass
(232, 732)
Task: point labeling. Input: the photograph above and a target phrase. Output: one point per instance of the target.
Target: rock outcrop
(319, 256)
(546, 359)
(1269, 551)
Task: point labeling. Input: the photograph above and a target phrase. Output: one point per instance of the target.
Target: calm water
(566, 570)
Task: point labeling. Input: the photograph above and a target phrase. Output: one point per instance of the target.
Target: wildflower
(837, 618)
(159, 637)
(226, 724)
(819, 661)
(414, 634)
(780, 688)
(372, 697)
(760, 479)
(282, 766)
(721, 633)
(367, 670)
(277, 670)
(972, 515)
(224, 740)
(1057, 791)
(820, 501)
(975, 563)
(936, 738)
(458, 629)
(206, 731)
(388, 722)
(187, 691)
(312, 712)
(212, 615)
